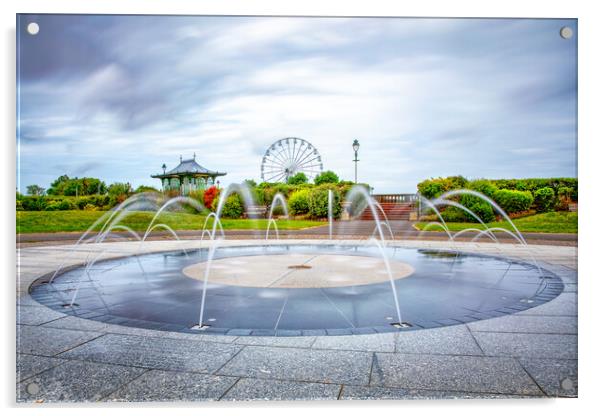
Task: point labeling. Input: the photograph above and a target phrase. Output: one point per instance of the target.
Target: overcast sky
(115, 97)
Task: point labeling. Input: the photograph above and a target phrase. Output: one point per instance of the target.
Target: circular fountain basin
(300, 289)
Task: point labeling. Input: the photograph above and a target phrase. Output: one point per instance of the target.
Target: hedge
(318, 202)
(563, 191)
(544, 199)
(513, 201)
(298, 202)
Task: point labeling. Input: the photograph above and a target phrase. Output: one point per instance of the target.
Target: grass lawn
(550, 222)
(56, 221)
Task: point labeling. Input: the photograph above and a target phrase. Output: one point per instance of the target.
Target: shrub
(483, 210)
(299, 202)
(513, 201)
(34, 203)
(233, 207)
(297, 179)
(483, 186)
(318, 202)
(327, 176)
(544, 199)
(62, 205)
(431, 188)
(453, 214)
(564, 198)
(90, 207)
(209, 196)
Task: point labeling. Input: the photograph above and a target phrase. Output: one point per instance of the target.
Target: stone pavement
(63, 358)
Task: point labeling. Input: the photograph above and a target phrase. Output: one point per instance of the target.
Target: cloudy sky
(115, 97)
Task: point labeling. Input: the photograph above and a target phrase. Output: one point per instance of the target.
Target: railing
(395, 198)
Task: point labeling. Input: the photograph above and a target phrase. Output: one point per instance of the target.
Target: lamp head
(356, 145)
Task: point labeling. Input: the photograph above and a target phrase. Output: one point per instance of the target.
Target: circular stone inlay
(299, 270)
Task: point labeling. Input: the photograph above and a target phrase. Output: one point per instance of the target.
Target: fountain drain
(401, 325)
(69, 305)
(200, 327)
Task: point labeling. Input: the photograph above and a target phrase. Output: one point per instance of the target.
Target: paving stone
(26, 300)
(30, 365)
(542, 324)
(448, 340)
(300, 342)
(157, 353)
(384, 393)
(527, 345)
(76, 381)
(40, 340)
(555, 377)
(264, 389)
(564, 304)
(345, 367)
(373, 342)
(36, 315)
(75, 323)
(456, 373)
(157, 386)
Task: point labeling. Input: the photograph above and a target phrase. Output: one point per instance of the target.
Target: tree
(64, 185)
(297, 179)
(327, 176)
(119, 188)
(250, 183)
(35, 190)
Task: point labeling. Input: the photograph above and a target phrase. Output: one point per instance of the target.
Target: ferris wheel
(289, 156)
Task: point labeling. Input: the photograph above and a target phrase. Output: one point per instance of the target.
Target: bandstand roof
(189, 167)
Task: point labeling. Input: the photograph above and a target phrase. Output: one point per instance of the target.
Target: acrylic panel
(295, 208)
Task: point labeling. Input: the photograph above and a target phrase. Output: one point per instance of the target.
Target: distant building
(187, 176)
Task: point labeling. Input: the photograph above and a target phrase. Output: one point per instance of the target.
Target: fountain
(291, 287)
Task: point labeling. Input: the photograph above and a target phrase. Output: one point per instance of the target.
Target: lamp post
(356, 147)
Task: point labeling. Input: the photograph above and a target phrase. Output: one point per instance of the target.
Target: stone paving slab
(30, 365)
(39, 340)
(563, 305)
(455, 339)
(158, 386)
(375, 342)
(533, 324)
(76, 323)
(344, 367)
(384, 393)
(555, 377)
(76, 381)
(273, 341)
(156, 353)
(455, 373)
(264, 389)
(36, 315)
(528, 345)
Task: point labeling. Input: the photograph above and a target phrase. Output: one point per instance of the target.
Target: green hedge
(545, 199)
(513, 195)
(318, 202)
(64, 203)
(298, 202)
(513, 201)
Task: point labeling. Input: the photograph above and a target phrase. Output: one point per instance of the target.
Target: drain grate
(200, 327)
(299, 266)
(401, 325)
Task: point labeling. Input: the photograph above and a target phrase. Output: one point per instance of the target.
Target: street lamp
(356, 147)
